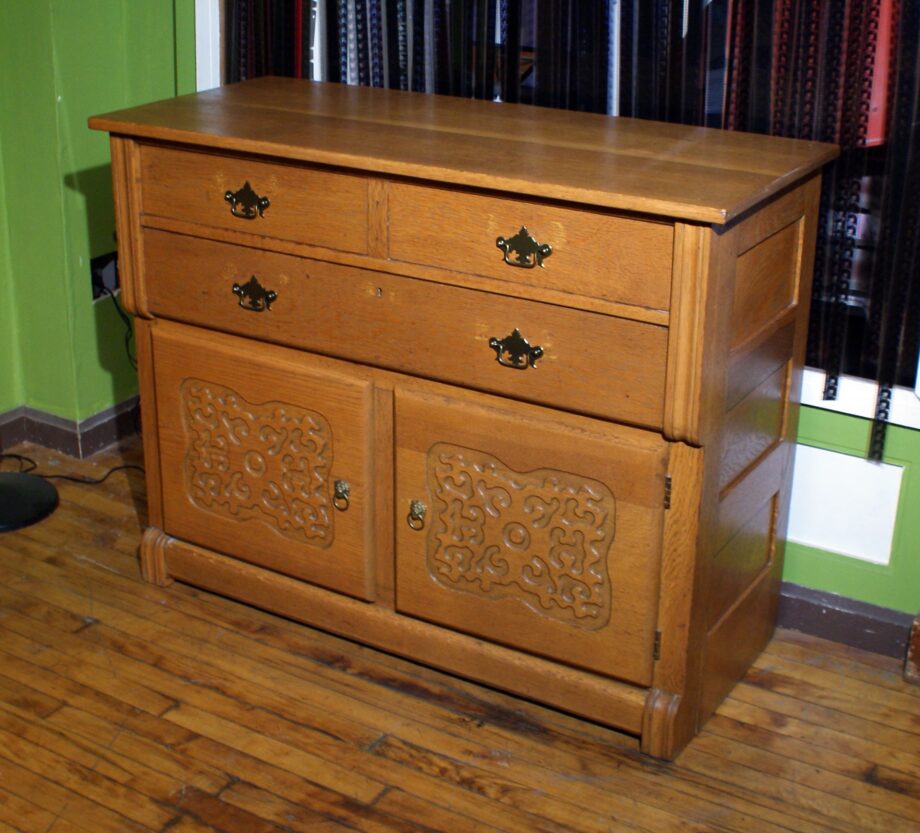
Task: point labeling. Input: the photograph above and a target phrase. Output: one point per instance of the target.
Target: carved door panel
(265, 455)
(528, 527)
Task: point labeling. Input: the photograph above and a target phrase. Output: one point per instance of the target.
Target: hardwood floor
(125, 708)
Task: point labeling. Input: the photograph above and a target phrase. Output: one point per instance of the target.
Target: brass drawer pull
(416, 516)
(515, 351)
(527, 252)
(341, 491)
(253, 296)
(246, 203)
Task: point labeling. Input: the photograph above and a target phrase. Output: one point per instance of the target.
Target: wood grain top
(689, 173)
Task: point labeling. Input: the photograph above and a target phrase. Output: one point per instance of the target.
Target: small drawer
(590, 253)
(288, 202)
(577, 360)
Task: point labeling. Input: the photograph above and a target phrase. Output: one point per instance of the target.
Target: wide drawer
(531, 528)
(266, 455)
(591, 363)
(591, 253)
(284, 201)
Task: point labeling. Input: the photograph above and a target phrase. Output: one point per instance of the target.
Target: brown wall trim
(860, 625)
(78, 439)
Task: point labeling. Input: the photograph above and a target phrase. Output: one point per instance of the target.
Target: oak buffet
(506, 390)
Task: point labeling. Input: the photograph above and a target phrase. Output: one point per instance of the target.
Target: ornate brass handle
(246, 203)
(416, 516)
(514, 351)
(527, 251)
(340, 493)
(253, 296)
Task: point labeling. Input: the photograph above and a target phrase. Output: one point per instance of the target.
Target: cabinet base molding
(609, 702)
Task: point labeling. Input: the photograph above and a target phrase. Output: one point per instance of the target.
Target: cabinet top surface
(688, 173)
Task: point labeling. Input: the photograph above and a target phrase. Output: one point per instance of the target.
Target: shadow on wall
(94, 235)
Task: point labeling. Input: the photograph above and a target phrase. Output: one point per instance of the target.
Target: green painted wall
(10, 370)
(61, 62)
(895, 585)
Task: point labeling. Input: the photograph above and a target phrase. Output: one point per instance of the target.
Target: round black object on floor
(24, 500)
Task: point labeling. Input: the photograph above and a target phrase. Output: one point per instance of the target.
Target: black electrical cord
(86, 481)
(129, 329)
(129, 338)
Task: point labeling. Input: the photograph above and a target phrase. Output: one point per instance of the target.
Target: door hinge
(656, 647)
(667, 491)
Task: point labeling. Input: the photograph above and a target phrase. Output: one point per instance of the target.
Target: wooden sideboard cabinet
(506, 390)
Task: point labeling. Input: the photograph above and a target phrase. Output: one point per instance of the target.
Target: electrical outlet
(104, 274)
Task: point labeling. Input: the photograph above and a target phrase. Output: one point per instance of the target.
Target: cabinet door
(265, 455)
(528, 527)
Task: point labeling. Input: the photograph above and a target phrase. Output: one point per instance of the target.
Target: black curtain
(844, 71)
(550, 52)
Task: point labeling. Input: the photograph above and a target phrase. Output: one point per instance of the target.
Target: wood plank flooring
(126, 708)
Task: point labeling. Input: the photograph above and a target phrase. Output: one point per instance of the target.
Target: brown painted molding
(77, 439)
(858, 624)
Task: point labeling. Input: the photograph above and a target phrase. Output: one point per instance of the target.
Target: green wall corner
(61, 62)
(895, 585)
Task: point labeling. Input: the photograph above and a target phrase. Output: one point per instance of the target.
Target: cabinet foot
(659, 723)
(153, 557)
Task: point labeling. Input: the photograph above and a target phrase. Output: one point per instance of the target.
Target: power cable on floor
(28, 466)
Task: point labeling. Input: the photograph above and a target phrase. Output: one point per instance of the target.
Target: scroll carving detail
(269, 461)
(541, 537)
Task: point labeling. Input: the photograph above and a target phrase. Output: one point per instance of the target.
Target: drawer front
(255, 446)
(592, 363)
(288, 202)
(530, 528)
(592, 254)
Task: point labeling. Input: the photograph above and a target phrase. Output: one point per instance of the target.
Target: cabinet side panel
(761, 413)
(705, 261)
(765, 282)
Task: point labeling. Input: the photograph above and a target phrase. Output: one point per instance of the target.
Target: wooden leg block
(153, 557)
(912, 663)
(660, 725)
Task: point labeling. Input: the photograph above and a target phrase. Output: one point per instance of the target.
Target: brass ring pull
(253, 296)
(416, 516)
(246, 203)
(515, 351)
(341, 491)
(527, 251)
